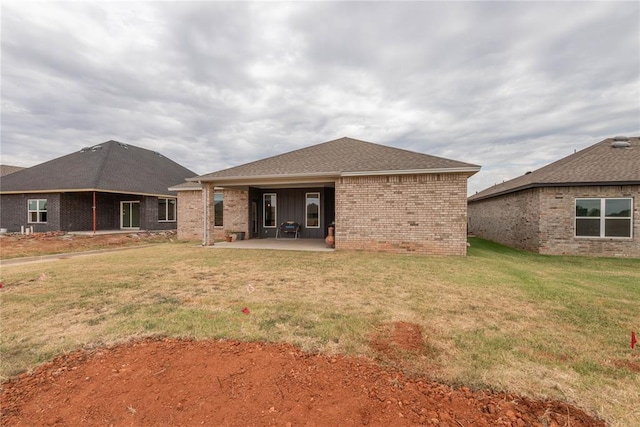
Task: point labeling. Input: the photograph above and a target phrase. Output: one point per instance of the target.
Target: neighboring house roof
(613, 161)
(186, 186)
(7, 169)
(340, 157)
(111, 166)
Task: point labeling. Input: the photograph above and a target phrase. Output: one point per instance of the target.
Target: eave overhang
(85, 190)
(553, 184)
(317, 178)
(468, 170)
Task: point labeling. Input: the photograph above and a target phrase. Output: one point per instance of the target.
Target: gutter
(264, 177)
(329, 175)
(547, 185)
(87, 190)
(474, 169)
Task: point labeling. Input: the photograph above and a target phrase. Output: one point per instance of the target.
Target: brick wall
(557, 223)
(14, 212)
(76, 213)
(424, 213)
(542, 220)
(236, 211)
(511, 220)
(190, 215)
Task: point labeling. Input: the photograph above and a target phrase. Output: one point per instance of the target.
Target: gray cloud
(507, 85)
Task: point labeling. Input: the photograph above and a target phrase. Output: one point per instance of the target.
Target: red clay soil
(174, 382)
(15, 245)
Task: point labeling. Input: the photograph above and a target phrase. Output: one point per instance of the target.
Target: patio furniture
(289, 227)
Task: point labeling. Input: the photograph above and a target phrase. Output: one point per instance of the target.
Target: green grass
(543, 326)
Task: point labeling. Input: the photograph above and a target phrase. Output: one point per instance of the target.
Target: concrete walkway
(312, 245)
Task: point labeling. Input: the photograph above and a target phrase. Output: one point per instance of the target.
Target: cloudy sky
(510, 86)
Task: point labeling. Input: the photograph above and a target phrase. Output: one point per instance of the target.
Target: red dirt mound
(181, 382)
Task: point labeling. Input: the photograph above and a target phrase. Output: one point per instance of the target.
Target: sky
(509, 86)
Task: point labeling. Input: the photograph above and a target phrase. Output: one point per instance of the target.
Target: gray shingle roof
(110, 166)
(339, 157)
(599, 164)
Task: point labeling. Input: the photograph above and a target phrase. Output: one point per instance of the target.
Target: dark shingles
(339, 156)
(110, 166)
(600, 163)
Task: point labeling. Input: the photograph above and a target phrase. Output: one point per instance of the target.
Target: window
(218, 210)
(37, 210)
(603, 217)
(313, 210)
(269, 206)
(167, 210)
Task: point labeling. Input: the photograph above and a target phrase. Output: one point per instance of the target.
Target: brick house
(7, 169)
(108, 186)
(585, 204)
(379, 198)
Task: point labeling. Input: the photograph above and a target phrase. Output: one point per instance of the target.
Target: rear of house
(585, 204)
(376, 197)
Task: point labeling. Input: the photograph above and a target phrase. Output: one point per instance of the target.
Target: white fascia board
(85, 190)
(191, 188)
(473, 169)
(273, 179)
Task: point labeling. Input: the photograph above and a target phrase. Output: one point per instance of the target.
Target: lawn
(543, 326)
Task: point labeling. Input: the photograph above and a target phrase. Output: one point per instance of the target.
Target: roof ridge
(103, 162)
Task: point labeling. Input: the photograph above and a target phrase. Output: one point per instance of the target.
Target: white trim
(214, 208)
(205, 215)
(413, 171)
(251, 178)
(602, 218)
(185, 188)
(175, 209)
(306, 210)
(38, 211)
(86, 190)
(122, 202)
(275, 209)
(316, 177)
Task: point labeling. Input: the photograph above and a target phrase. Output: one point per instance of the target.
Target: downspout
(94, 212)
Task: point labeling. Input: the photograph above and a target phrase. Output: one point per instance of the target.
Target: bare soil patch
(165, 381)
(15, 245)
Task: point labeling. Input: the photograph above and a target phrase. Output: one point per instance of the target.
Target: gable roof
(340, 157)
(600, 164)
(7, 169)
(111, 166)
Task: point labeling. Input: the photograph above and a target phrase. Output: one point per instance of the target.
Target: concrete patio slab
(313, 245)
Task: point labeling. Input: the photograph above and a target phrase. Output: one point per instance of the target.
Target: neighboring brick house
(8, 169)
(108, 186)
(380, 198)
(585, 204)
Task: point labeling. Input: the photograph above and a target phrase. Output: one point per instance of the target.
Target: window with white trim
(611, 217)
(269, 209)
(312, 210)
(218, 209)
(166, 210)
(37, 210)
